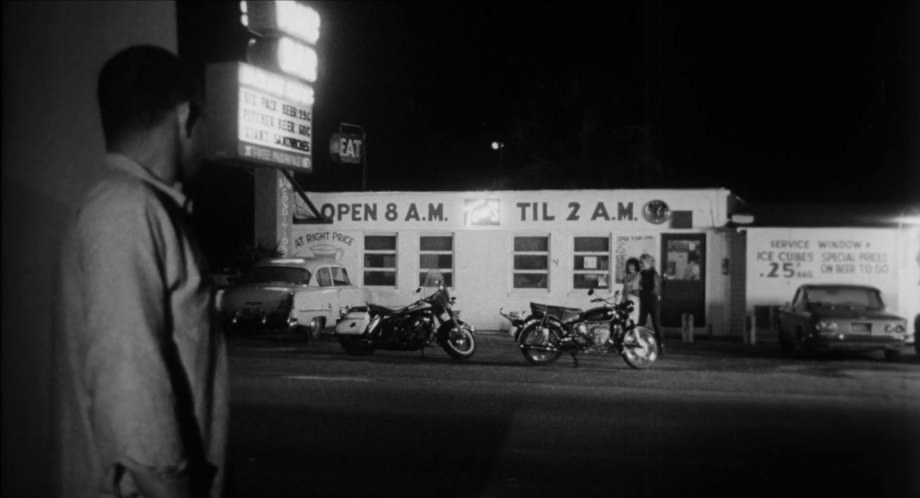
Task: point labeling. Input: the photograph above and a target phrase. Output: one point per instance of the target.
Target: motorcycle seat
(385, 310)
(561, 313)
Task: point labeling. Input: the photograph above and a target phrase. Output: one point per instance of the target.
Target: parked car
(301, 294)
(225, 278)
(841, 317)
(917, 334)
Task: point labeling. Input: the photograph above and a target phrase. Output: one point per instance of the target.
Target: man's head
(647, 260)
(145, 90)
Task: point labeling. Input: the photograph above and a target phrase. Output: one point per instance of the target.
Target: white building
(844, 244)
(504, 249)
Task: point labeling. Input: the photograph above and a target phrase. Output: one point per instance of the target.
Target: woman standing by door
(631, 286)
(650, 298)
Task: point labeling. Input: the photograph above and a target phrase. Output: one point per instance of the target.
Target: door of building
(683, 276)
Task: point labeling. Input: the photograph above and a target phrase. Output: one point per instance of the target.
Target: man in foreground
(141, 372)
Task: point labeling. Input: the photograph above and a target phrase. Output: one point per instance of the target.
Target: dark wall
(52, 150)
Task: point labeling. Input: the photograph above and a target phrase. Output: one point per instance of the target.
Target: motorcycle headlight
(823, 326)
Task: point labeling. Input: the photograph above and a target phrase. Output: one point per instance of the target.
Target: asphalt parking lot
(712, 418)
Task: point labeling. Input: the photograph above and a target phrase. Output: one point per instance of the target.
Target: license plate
(861, 328)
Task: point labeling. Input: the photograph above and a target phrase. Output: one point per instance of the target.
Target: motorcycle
(550, 331)
(428, 322)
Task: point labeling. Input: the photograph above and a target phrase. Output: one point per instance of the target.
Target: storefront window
(380, 260)
(531, 262)
(592, 263)
(436, 253)
(684, 260)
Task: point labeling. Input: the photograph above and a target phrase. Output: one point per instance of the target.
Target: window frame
(453, 257)
(547, 254)
(608, 254)
(383, 252)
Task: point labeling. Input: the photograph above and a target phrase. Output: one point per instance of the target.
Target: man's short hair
(138, 86)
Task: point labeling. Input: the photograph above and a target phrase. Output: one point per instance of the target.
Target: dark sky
(786, 101)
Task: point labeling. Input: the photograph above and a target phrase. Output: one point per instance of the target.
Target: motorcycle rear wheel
(640, 349)
(533, 338)
(460, 344)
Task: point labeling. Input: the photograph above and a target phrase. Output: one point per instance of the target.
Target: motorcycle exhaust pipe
(539, 348)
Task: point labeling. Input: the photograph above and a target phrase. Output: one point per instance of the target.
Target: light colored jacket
(141, 375)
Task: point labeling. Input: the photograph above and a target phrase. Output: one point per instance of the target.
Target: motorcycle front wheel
(537, 347)
(460, 343)
(640, 349)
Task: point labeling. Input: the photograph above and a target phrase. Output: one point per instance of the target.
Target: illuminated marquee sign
(265, 18)
(287, 31)
(259, 116)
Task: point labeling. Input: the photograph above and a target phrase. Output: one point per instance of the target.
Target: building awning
(314, 216)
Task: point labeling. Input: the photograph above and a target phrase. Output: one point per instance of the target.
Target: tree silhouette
(561, 137)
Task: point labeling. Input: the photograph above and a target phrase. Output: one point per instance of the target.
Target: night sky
(778, 102)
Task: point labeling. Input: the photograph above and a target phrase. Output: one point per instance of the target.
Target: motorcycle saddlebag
(353, 323)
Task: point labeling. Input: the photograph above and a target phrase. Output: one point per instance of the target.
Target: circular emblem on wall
(656, 212)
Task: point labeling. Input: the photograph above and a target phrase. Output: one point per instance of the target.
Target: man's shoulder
(119, 187)
(118, 196)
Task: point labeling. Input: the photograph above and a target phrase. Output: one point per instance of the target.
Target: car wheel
(316, 327)
(807, 345)
(892, 355)
(785, 344)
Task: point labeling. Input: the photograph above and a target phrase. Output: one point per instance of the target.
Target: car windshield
(276, 274)
(845, 297)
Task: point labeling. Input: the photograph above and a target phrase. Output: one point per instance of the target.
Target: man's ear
(183, 113)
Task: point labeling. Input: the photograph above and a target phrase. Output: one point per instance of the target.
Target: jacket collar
(124, 164)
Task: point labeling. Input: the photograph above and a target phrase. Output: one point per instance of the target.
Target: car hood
(848, 314)
(260, 296)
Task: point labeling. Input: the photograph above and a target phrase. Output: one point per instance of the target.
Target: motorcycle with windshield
(427, 322)
(550, 331)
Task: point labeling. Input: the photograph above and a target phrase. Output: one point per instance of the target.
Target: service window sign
(259, 117)
(781, 259)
